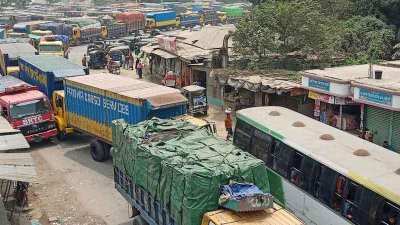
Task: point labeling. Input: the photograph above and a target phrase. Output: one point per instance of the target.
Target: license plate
(37, 139)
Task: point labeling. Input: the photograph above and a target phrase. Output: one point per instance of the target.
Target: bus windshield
(24, 109)
(49, 48)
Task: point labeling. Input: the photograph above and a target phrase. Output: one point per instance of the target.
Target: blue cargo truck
(161, 20)
(188, 20)
(90, 103)
(48, 72)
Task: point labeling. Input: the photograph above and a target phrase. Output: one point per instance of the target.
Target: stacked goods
(84, 23)
(130, 17)
(233, 11)
(57, 28)
(182, 166)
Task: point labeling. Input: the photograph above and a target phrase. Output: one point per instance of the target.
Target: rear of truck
(172, 172)
(93, 102)
(134, 21)
(161, 20)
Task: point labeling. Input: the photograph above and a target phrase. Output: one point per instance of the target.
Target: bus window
(390, 214)
(260, 145)
(295, 172)
(327, 182)
(364, 208)
(243, 133)
(317, 180)
(306, 173)
(281, 158)
(338, 193)
(350, 205)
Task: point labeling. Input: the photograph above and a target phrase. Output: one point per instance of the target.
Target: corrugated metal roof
(7, 81)
(210, 37)
(51, 63)
(17, 167)
(15, 50)
(11, 139)
(164, 54)
(157, 95)
(68, 73)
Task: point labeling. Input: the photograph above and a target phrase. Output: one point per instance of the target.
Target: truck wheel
(61, 135)
(107, 149)
(97, 151)
(138, 220)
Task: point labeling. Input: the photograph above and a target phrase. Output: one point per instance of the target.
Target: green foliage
(367, 36)
(51, 2)
(282, 28)
(100, 2)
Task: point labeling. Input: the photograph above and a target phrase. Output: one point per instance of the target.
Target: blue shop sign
(320, 84)
(377, 97)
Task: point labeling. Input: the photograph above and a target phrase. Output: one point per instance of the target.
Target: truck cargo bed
(150, 209)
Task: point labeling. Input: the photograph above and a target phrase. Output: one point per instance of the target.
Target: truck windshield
(20, 110)
(49, 48)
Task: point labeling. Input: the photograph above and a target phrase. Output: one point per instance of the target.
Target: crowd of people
(129, 62)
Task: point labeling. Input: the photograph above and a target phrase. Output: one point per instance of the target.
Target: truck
(10, 53)
(209, 16)
(89, 103)
(161, 20)
(115, 30)
(57, 28)
(27, 27)
(134, 21)
(54, 45)
(174, 173)
(85, 30)
(47, 72)
(27, 109)
(233, 13)
(188, 20)
(3, 33)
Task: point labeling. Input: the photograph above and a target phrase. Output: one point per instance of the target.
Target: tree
(367, 37)
(284, 27)
(100, 2)
(52, 2)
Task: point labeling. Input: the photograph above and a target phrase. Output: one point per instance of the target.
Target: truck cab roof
(254, 218)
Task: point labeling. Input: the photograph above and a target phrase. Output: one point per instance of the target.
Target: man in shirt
(228, 123)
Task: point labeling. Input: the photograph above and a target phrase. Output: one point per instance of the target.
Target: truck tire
(107, 149)
(97, 151)
(138, 220)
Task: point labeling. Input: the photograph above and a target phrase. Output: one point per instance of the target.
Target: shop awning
(149, 48)
(17, 167)
(11, 139)
(164, 54)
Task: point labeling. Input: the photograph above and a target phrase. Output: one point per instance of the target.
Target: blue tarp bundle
(239, 191)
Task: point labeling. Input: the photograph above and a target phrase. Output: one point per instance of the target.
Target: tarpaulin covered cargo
(48, 72)
(84, 23)
(130, 17)
(182, 166)
(57, 28)
(93, 101)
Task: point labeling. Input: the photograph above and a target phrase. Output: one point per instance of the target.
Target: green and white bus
(322, 174)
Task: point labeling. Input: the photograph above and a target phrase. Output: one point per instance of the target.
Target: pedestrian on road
(123, 60)
(84, 60)
(137, 62)
(108, 59)
(87, 60)
(130, 59)
(228, 123)
(139, 70)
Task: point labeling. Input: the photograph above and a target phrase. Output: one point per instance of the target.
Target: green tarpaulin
(182, 166)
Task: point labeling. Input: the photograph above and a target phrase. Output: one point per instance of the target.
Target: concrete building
(358, 99)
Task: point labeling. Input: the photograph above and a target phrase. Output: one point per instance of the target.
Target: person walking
(108, 59)
(137, 62)
(130, 58)
(139, 70)
(228, 123)
(123, 60)
(84, 60)
(87, 57)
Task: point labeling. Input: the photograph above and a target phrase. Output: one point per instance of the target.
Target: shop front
(381, 115)
(339, 112)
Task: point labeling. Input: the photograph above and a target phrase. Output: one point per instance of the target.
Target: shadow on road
(82, 156)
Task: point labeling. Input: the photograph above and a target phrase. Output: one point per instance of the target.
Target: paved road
(75, 188)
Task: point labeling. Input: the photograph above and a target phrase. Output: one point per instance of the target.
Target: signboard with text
(376, 97)
(167, 44)
(319, 84)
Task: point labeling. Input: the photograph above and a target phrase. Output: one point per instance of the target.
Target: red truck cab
(27, 109)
